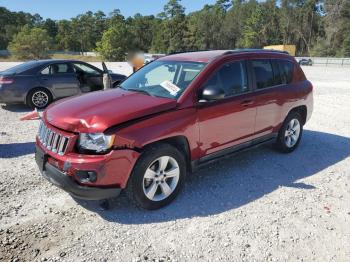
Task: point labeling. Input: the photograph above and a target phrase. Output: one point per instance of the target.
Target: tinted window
(57, 69)
(263, 73)
(277, 73)
(287, 71)
(231, 78)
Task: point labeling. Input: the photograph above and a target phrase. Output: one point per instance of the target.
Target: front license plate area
(40, 158)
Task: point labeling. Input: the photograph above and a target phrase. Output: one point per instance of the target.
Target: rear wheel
(39, 98)
(158, 177)
(290, 133)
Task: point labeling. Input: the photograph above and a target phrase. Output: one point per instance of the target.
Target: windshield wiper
(138, 90)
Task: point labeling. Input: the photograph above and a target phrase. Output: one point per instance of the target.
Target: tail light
(6, 80)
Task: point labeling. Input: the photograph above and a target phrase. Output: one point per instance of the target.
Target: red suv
(169, 118)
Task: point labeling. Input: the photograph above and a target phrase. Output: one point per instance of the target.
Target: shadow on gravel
(17, 108)
(237, 181)
(16, 149)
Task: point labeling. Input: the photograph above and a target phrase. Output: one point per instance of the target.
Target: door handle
(247, 102)
(44, 79)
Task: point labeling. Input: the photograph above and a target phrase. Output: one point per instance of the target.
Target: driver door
(90, 77)
(229, 121)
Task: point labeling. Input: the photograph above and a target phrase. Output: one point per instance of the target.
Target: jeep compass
(171, 117)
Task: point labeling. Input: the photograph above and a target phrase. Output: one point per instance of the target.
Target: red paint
(138, 120)
(96, 111)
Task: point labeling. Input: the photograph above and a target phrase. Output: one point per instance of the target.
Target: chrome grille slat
(54, 143)
(62, 146)
(49, 140)
(52, 140)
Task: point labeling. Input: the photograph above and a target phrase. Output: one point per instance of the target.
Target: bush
(31, 43)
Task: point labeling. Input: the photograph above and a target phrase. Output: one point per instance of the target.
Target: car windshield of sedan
(163, 78)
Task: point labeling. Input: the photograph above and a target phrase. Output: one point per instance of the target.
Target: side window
(277, 73)
(86, 69)
(46, 70)
(232, 78)
(287, 71)
(60, 69)
(263, 73)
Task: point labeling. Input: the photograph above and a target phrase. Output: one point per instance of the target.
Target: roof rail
(247, 50)
(188, 51)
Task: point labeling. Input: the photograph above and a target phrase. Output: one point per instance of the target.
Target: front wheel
(158, 177)
(290, 133)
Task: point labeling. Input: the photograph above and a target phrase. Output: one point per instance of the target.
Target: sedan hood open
(97, 111)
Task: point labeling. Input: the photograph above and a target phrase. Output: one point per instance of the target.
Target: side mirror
(211, 93)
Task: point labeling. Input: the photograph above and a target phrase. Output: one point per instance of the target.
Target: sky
(66, 9)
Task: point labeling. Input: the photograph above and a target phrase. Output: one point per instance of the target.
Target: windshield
(163, 78)
(21, 68)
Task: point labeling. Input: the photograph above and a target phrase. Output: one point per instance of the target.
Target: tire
(290, 133)
(152, 185)
(39, 98)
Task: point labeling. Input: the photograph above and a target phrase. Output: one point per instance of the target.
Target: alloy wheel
(161, 178)
(292, 133)
(40, 99)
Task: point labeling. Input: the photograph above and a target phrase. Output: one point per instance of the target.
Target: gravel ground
(257, 206)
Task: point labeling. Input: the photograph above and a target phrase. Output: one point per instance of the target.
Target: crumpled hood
(97, 111)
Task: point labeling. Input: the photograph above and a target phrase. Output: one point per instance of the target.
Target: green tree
(115, 43)
(12, 22)
(337, 26)
(346, 46)
(253, 28)
(51, 27)
(31, 43)
(173, 28)
(142, 28)
(65, 37)
(205, 27)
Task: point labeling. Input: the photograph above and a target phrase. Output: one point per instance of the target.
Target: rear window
(263, 73)
(21, 68)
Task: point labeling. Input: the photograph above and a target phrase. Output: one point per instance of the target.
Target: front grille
(53, 141)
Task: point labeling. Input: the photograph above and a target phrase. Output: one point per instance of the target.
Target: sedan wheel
(40, 99)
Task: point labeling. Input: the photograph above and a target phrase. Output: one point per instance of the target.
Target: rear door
(60, 79)
(230, 121)
(269, 92)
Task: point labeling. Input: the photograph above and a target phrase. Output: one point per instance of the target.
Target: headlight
(97, 142)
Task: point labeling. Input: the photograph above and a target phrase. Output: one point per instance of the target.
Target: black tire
(136, 185)
(282, 140)
(44, 93)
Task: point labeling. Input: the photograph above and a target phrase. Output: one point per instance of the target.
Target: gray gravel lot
(258, 206)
